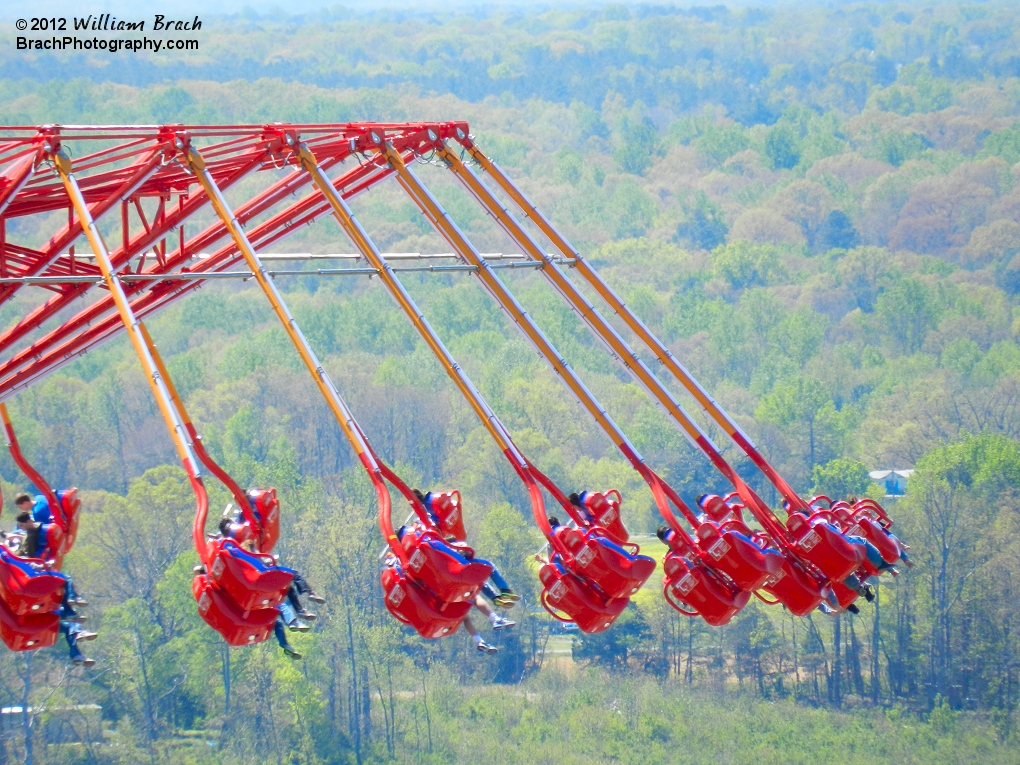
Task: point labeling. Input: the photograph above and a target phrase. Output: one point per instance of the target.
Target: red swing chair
(30, 595)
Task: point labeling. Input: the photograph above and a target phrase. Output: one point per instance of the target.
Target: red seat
(692, 586)
(25, 592)
(568, 594)
(604, 510)
(55, 537)
(795, 589)
(248, 584)
(446, 506)
(71, 505)
(867, 527)
(829, 550)
(28, 632)
(617, 573)
(412, 604)
(268, 508)
(222, 614)
(844, 594)
(445, 572)
(743, 561)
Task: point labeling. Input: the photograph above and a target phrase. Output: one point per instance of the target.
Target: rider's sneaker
(501, 623)
(76, 618)
(307, 615)
(198, 570)
(80, 636)
(291, 652)
(83, 661)
(852, 608)
(316, 598)
(509, 596)
(486, 648)
(79, 602)
(299, 626)
(869, 594)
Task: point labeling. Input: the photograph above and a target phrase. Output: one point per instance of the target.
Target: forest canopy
(816, 207)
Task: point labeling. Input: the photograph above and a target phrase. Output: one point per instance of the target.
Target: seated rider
(70, 620)
(233, 527)
(901, 547)
(291, 611)
(35, 544)
(38, 506)
(499, 591)
(498, 622)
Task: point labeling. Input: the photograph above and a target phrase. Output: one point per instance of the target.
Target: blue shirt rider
(38, 506)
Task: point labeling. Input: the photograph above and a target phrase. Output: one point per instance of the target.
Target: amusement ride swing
(714, 563)
(813, 546)
(31, 595)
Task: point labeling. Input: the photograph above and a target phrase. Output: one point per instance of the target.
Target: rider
(233, 527)
(38, 506)
(70, 625)
(35, 544)
(501, 594)
(498, 622)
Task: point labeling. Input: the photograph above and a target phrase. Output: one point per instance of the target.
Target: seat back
(604, 509)
(26, 591)
(220, 612)
(693, 587)
(442, 569)
(246, 578)
(55, 537)
(826, 548)
(618, 573)
(564, 593)
(445, 571)
(447, 509)
(268, 508)
(71, 505)
(844, 594)
(867, 527)
(28, 632)
(739, 558)
(413, 605)
(794, 588)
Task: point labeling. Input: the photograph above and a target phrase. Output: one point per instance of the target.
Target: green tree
(703, 227)
(744, 264)
(909, 310)
(798, 403)
(840, 478)
(781, 146)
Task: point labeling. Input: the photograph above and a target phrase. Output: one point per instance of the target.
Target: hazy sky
(137, 9)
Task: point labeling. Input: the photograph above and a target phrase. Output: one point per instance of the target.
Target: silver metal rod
(199, 275)
(331, 256)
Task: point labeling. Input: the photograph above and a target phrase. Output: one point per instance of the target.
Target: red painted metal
(143, 168)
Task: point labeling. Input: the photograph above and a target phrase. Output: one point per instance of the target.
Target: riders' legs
(287, 613)
(71, 630)
(301, 585)
(281, 633)
(498, 579)
(483, 605)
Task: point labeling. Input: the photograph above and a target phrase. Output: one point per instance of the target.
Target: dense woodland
(817, 207)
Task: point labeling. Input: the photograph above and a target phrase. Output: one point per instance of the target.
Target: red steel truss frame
(118, 167)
